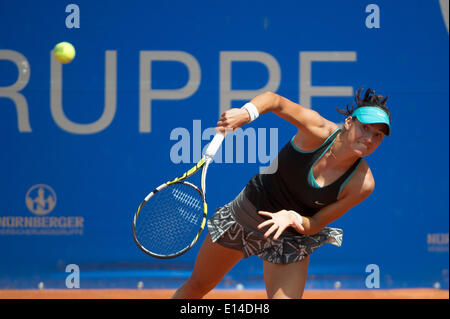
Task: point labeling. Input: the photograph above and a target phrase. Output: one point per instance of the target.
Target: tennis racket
(171, 218)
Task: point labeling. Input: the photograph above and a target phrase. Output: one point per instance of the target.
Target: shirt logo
(319, 203)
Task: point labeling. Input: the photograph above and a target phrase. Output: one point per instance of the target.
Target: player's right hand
(232, 119)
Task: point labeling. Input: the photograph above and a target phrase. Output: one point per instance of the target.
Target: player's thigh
(285, 281)
(213, 262)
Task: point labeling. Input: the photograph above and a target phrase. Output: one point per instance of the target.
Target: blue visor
(372, 115)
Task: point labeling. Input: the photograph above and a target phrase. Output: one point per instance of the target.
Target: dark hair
(369, 99)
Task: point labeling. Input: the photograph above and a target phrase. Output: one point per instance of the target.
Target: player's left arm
(357, 190)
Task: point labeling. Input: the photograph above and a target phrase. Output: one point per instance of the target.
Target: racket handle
(212, 148)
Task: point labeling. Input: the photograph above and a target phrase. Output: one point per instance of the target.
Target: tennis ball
(64, 52)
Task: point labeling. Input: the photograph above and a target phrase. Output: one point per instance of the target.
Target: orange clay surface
(220, 294)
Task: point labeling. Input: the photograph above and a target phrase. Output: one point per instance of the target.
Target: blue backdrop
(83, 143)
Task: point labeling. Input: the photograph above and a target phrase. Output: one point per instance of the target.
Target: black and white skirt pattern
(225, 230)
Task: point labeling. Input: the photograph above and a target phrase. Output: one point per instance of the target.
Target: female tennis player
(282, 216)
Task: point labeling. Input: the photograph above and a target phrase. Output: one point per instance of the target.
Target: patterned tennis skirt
(225, 230)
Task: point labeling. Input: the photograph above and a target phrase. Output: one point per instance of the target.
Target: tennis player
(282, 216)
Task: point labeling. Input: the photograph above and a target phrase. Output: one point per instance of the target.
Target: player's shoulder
(362, 183)
(366, 177)
(314, 137)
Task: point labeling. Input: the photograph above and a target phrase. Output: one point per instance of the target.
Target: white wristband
(299, 217)
(252, 111)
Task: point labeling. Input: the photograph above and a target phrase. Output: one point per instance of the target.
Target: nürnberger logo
(40, 199)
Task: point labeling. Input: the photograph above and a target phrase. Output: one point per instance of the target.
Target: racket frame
(204, 162)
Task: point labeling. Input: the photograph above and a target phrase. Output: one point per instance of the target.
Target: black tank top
(291, 186)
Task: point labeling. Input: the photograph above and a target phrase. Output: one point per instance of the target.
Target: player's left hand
(280, 221)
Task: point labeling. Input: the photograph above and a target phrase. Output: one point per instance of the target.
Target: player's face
(364, 138)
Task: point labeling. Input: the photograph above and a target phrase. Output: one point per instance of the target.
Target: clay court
(220, 294)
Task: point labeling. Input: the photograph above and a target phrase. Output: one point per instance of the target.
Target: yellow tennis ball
(64, 52)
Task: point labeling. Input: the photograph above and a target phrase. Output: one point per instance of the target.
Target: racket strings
(191, 201)
(170, 220)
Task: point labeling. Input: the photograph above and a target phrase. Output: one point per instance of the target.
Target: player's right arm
(311, 125)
